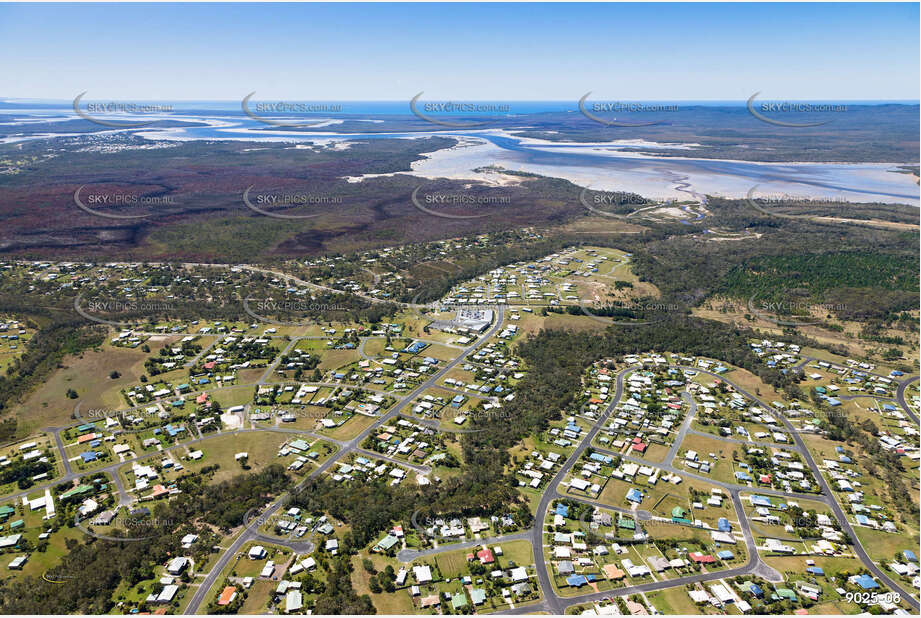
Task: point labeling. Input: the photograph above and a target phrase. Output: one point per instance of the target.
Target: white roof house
(422, 573)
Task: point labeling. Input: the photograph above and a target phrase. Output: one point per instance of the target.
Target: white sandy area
(615, 144)
(256, 134)
(324, 122)
(24, 121)
(330, 144)
(661, 178)
(12, 139)
(651, 176)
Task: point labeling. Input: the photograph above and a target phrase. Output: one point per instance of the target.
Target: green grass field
(88, 375)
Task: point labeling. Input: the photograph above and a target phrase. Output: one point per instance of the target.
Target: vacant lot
(87, 375)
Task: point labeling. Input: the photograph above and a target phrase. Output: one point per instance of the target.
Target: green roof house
(459, 600)
(786, 593)
(76, 491)
(386, 543)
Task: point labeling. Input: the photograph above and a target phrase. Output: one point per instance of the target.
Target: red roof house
(228, 594)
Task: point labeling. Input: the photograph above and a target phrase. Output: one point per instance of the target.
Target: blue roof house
(761, 501)
(866, 582)
(815, 570)
(635, 495)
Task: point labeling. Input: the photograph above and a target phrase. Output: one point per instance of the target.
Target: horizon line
(9, 99)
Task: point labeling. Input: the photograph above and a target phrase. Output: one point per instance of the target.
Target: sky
(508, 51)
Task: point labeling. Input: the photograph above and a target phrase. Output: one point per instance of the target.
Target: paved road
(408, 555)
(900, 393)
(900, 397)
(788, 447)
(361, 349)
(472, 395)
(71, 474)
(727, 486)
(364, 340)
(113, 467)
(56, 432)
(124, 498)
(420, 469)
(754, 565)
(552, 601)
(204, 351)
(556, 604)
(251, 530)
(808, 359)
(309, 284)
(273, 273)
(829, 499)
(298, 547)
(640, 514)
(685, 426)
(249, 533)
(274, 364)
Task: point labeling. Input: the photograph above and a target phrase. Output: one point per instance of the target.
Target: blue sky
(342, 52)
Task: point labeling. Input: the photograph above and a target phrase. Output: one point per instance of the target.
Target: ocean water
(603, 166)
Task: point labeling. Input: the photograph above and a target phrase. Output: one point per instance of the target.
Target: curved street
(551, 600)
(557, 604)
(250, 531)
